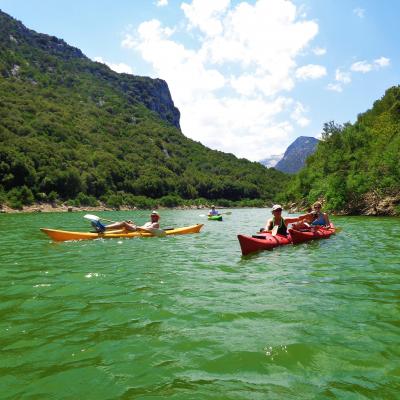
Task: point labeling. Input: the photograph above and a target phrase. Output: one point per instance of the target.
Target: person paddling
(277, 224)
(213, 211)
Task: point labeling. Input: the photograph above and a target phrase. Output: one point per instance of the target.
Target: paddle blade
(91, 217)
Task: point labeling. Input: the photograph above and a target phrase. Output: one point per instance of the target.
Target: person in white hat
(130, 226)
(277, 224)
(153, 223)
(213, 211)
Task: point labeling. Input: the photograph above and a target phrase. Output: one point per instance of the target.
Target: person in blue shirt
(319, 218)
(213, 211)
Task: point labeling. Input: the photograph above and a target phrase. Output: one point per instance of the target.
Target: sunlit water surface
(188, 317)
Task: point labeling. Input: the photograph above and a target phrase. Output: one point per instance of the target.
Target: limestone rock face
(296, 154)
(44, 51)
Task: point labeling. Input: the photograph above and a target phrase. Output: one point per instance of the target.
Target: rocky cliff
(25, 50)
(296, 154)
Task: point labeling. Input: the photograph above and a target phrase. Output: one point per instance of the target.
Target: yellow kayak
(62, 236)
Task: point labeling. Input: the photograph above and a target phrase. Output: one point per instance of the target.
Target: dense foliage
(354, 160)
(72, 129)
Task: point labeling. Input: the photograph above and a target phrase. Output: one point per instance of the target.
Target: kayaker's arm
(327, 222)
(291, 220)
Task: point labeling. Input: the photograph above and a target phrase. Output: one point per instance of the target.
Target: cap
(155, 214)
(276, 207)
(213, 206)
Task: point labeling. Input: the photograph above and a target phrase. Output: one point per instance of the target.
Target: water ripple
(188, 317)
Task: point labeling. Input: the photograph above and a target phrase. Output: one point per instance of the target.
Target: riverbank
(370, 204)
(48, 207)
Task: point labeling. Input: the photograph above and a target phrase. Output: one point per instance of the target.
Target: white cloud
(361, 66)
(120, 68)
(382, 62)
(229, 85)
(246, 128)
(365, 66)
(319, 51)
(310, 71)
(335, 87)
(342, 76)
(298, 115)
(162, 3)
(128, 42)
(360, 12)
(272, 160)
(206, 15)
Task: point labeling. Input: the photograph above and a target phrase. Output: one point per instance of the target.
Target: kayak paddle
(274, 231)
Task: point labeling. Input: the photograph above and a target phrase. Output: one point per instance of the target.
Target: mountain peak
(19, 35)
(296, 154)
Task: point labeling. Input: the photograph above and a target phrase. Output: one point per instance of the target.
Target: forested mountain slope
(71, 128)
(356, 167)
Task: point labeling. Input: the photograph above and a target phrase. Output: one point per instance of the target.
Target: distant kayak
(266, 241)
(215, 217)
(62, 236)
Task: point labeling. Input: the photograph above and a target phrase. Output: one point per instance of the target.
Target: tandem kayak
(261, 241)
(266, 241)
(62, 236)
(215, 217)
(320, 232)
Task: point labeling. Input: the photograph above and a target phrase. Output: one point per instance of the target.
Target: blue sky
(248, 76)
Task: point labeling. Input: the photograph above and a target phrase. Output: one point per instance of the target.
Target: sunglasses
(278, 210)
(317, 207)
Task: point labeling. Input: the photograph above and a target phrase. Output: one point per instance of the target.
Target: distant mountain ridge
(296, 154)
(153, 93)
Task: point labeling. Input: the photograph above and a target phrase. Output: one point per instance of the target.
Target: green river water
(188, 317)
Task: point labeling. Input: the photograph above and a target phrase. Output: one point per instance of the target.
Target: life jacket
(320, 220)
(282, 230)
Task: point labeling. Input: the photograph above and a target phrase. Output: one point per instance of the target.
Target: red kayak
(261, 241)
(318, 232)
(265, 241)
